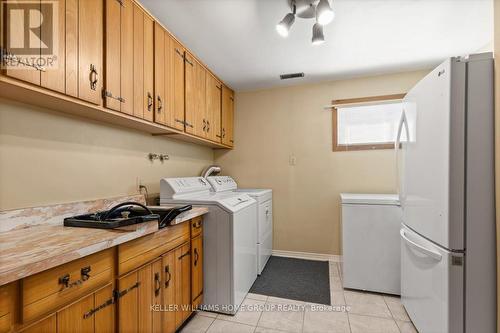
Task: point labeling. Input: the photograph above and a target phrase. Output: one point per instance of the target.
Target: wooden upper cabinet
(214, 95)
(127, 57)
(90, 40)
(227, 116)
(159, 74)
(148, 68)
(178, 84)
(18, 66)
(53, 75)
(113, 41)
(191, 94)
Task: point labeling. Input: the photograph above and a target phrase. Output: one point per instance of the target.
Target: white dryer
(264, 198)
(229, 237)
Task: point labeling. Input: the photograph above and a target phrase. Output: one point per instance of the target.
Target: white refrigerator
(446, 190)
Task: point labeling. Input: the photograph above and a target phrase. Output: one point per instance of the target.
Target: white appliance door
(244, 261)
(425, 175)
(432, 284)
(265, 233)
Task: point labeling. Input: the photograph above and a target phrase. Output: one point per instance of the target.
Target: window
(366, 123)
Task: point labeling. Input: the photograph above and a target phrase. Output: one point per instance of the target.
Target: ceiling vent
(291, 76)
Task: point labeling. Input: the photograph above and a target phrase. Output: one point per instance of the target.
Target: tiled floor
(366, 313)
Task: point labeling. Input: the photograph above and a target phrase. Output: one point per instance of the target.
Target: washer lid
(369, 199)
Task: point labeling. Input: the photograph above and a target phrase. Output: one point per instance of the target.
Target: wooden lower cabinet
(156, 295)
(91, 313)
(197, 270)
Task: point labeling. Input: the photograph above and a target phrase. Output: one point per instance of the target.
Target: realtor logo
(30, 35)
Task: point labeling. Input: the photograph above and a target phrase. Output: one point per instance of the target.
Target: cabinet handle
(196, 256)
(179, 53)
(98, 308)
(85, 272)
(157, 284)
(189, 62)
(180, 121)
(208, 126)
(169, 276)
(223, 132)
(121, 3)
(219, 136)
(231, 98)
(160, 104)
(188, 124)
(109, 94)
(93, 77)
(66, 284)
(204, 125)
(150, 101)
(232, 141)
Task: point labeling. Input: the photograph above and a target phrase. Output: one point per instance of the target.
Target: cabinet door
(53, 76)
(183, 283)
(19, 67)
(104, 318)
(148, 67)
(197, 270)
(200, 126)
(71, 52)
(159, 71)
(139, 63)
(157, 294)
(178, 85)
(73, 319)
(113, 41)
(127, 57)
(48, 325)
(90, 40)
(227, 116)
(191, 94)
(214, 92)
(169, 287)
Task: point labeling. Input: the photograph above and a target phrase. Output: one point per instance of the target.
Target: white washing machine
(371, 242)
(264, 198)
(229, 237)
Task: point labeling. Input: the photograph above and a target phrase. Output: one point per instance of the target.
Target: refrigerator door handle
(397, 144)
(435, 255)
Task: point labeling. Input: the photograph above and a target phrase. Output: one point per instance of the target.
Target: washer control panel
(222, 183)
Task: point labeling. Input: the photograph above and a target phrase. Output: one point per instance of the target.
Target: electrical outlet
(292, 161)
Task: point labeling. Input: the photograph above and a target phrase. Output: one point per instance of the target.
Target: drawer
(196, 226)
(138, 252)
(47, 291)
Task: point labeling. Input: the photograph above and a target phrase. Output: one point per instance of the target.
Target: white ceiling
(238, 41)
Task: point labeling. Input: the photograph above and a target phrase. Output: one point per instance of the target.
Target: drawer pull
(85, 272)
(93, 77)
(64, 280)
(98, 308)
(157, 284)
(169, 276)
(150, 101)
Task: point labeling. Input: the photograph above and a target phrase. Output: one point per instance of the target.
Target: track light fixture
(320, 10)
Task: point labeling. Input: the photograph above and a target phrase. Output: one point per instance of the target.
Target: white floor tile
(282, 319)
(367, 304)
(324, 321)
(257, 297)
(198, 324)
(249, 313)
(367, 324)
(223, 326)
(396, 307)
(406, 327)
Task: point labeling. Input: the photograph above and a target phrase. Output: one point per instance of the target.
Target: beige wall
(47, 157)
(272, 125)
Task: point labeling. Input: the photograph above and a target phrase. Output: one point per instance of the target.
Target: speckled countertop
(37, 247)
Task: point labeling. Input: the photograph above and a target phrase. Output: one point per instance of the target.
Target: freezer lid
(369, 199)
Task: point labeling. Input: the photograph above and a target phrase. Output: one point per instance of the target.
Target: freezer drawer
(432, 284)
(370, 243)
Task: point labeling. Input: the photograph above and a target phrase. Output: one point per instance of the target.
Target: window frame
(354, 102)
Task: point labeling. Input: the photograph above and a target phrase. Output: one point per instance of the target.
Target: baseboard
(308, 255)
